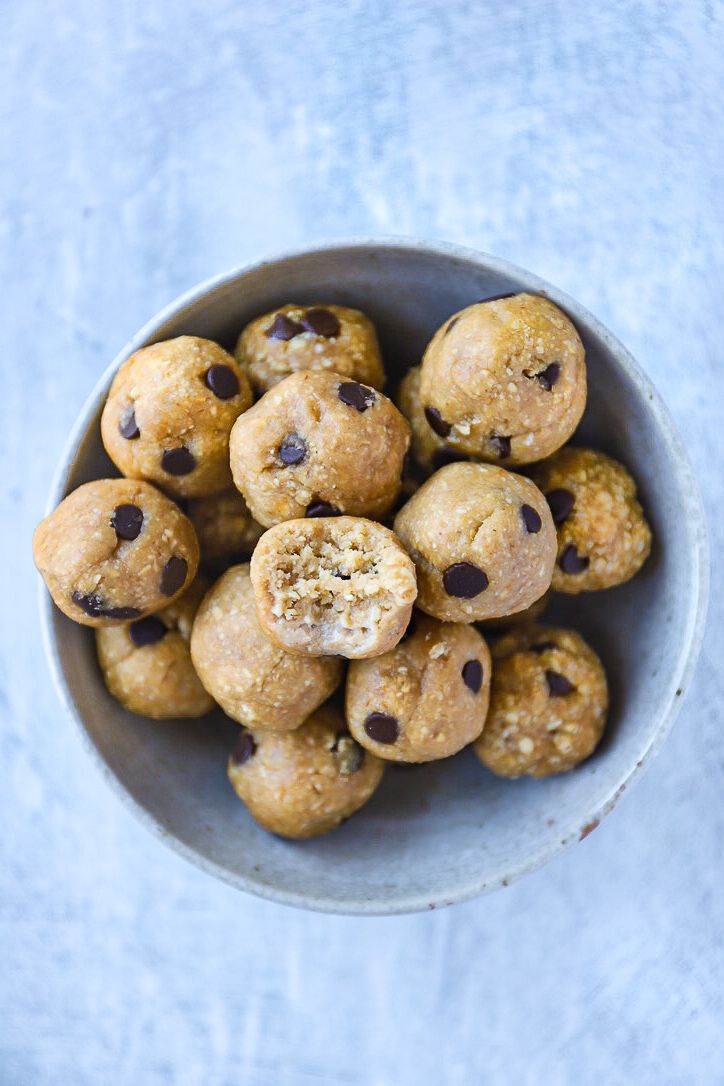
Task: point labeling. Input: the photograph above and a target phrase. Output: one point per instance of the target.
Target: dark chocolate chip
(464, 580)
(531, 519)
(127, 521)
(292, 450)
(571, 561)
(284, 328)
(128, 427)
(95, 606)
(501, 445)
(472, 674)
(382, 727)
(560, 503)
(321, 509)
(436, 422)
(442, 457)
(321, 321)
(558, 685)
(173, 575)
(147, 631)
(179, 461)
(350, 755)
(451, 325)
(548, 377)
(341, 576)
(358, 396)
(542, 646)
(222, 381)
(244, 749)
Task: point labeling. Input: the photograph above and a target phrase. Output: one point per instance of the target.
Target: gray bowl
(448, 831)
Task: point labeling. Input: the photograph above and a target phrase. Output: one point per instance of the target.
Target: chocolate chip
(501, 445)
(548, 377)
(442, 457)
(542, 646)
(531, 519)
(222, 381)
(451, 325)
(147, 631)
(358, 396)
(558, 685)
(244, 749)
(284, 328)
(382, 727)
(560, 503)
(95, 606)
(472, 674)
(321, 509)
(436, 422)
(173, 575)
(127, 521)
(350, 755)
(128, 428)
(573, 562)
(179, 461)
(464, 580)
(292, 450)
(321, 322)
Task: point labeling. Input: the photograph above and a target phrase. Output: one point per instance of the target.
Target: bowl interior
(449, 830)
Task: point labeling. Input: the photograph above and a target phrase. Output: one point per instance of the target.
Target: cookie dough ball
(254, 681)
(505, 380)
(318, 445)
(429, 449)
(425, 699)
(548, 703)
(114, 550)
(333, 585)
(169, 414)
(316, 337)
(303, 783)
(520, 618)
(603, 536)
(483, 542)
(225, 528)
(147, 666)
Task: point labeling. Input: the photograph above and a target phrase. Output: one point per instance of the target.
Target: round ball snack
(333, 585)
(429, 449)
(114, 550)
(303, 783)
(425, 699)
(319, 445)
(147, 666)
(548, 703)
(482, 540)
(520, 618)
(225, 528)
(254, 681)
(316, 337)
(169, 413)
(603, 536)
(505, 380)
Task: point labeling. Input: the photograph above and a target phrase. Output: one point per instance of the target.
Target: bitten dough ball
(505, 380)
(483, 542)
(147, 665)
(254, 681)
(297, 337)
(114, 550)
(169, 414)
(303, 783)
(225, 528)
(603, 536)
(548, 703)
(318, 445)
(425, 699)
(333, 585)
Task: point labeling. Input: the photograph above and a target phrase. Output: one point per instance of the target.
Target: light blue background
(146, 145)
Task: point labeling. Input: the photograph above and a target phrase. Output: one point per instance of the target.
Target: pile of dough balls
(354, 550)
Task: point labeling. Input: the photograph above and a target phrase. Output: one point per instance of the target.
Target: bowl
(446, 831)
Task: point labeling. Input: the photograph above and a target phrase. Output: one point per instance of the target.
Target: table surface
(146, 146)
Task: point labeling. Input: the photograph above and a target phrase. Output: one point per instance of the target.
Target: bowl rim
(691, 639)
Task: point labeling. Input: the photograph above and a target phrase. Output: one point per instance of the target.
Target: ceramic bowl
(446, 831)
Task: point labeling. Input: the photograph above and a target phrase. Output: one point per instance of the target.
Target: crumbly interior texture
(333, 585)
(606, 526)
(158, 679)
(432, 688)
(303, 444)
(353, 351)
(548, 703)
(303, 783)
(164, 389)
(473, 515)
(226, 530)
(256, 682)
(79, 553)
(506, 379)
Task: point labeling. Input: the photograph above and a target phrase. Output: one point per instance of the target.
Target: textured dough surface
(429, 449)
(226, 530)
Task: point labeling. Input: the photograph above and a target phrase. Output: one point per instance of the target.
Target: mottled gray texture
(145, 146)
